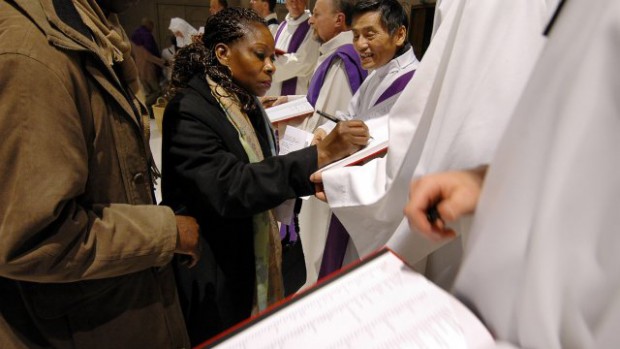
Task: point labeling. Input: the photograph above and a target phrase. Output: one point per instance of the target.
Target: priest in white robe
(338, 73)
(541, 261)
(298, 52)
(451, 115)
(379, 36)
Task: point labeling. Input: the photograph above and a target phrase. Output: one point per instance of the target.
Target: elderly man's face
(296, 7)
(325, 21)
(373, 42)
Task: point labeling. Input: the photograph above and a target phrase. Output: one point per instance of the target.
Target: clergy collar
(398, 63)
(342, 38)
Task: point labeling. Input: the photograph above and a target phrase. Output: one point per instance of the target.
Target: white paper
(295, 107)
(294, 139)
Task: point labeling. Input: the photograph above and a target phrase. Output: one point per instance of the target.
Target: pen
(327, 116)
(432, 214)
(332, 118)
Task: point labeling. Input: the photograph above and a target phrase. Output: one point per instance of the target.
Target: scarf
(267, 249)
(114, 45)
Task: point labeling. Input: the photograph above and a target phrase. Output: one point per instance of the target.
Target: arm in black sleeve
(203, 151)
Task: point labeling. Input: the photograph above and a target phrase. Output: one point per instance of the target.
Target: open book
(296, 106)
(377, 145)
(378, 303)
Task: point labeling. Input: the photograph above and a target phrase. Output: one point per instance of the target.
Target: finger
(423, 193)
(355, 129)
(321, 196)
(319, 192)
(316, 177)
(417, 220)
(355, 123)
(360, 140)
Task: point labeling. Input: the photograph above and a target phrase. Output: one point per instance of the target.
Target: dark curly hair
(199, 58)
(393, 14)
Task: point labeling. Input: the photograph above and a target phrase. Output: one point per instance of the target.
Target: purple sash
(352, 65)
(335, 247)
(396, 87)
(289, 86)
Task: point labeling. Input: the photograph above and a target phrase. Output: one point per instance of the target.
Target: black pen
(327, 116)
(432, 215)
(331, 117)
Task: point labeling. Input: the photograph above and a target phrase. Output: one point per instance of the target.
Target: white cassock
(541, 261)
(315, 216)
(451, 115)
(334, 96)
(299, 64)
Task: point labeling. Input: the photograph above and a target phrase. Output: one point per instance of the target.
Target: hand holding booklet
(378, 303)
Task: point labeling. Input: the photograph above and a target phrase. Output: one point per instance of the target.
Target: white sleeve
(300, 63)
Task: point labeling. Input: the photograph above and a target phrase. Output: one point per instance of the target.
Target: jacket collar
(59, 33)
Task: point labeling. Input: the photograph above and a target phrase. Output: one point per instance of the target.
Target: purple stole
(396, 87)
(352, 65)
(289, 86)
(337, 235)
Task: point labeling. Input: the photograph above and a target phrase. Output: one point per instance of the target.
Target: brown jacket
(83, 252)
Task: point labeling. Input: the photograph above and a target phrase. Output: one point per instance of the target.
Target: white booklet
(296, 106)
(294, 139)
(377, 145)
(378, 303)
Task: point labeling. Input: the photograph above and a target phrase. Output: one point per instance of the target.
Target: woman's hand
(345, 139)
(319, 135)
(437, 199)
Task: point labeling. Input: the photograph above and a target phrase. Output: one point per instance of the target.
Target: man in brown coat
(84, 253)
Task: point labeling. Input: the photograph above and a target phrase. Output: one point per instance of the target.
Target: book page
(380, 303)
(295, 107)
(294, 139)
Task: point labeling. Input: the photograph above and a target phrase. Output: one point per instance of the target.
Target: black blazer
(206, 174)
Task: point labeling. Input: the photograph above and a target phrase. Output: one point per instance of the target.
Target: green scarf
(267, 248)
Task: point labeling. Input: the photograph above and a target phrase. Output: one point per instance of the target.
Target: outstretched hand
(438, 199)
(345, 139)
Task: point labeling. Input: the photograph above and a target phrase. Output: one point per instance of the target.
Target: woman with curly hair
(219, 165)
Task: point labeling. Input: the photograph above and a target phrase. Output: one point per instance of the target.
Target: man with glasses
(299, 52)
